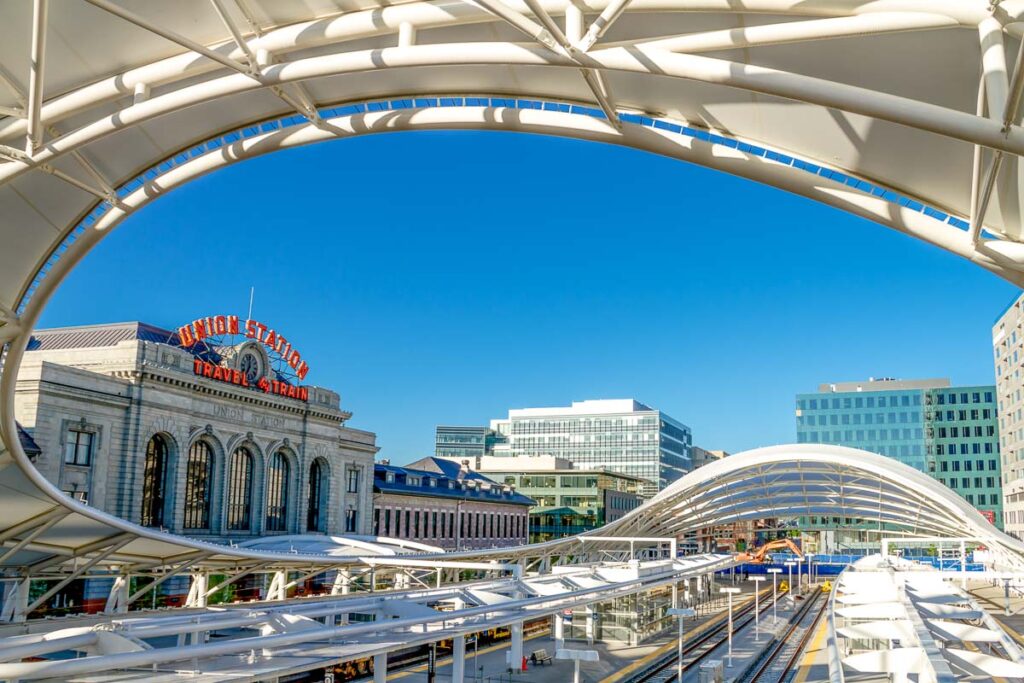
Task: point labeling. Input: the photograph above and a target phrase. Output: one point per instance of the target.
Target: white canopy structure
(904, 112)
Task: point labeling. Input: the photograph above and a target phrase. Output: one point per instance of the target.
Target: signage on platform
(216, 325)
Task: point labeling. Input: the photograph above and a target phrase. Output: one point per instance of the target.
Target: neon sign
(271, 386)
(216, 325)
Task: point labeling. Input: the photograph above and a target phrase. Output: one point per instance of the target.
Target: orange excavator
(760, 555)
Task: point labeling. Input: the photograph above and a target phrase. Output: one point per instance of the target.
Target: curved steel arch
(926, 148)
(795, 479)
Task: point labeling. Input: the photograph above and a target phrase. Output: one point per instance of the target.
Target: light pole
(789, 567)
(775, 571)
(757, 608)
(680, 613)
(729, 592)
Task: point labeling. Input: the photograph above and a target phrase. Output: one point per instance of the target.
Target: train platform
(618, 662)
(1008, 612)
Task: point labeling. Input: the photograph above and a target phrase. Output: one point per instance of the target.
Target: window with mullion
(198, 485)
(240, 491)
(277, 493)
(78, 448)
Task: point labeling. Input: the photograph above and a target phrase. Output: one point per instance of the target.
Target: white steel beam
(795, 32)
(521, 22)
(915, 114)
(175, 571)
(100, 556)
(235, 577)
(34, 534)
(35, 81)
(549, 23)
(603, 22)
(236, 35)
(167, 34)
(17, 530)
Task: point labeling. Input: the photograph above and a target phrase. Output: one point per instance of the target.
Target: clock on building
(250, 364)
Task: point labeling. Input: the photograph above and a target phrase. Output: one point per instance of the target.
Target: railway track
(698, 648)
(776, 663)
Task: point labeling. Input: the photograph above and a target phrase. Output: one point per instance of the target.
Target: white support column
(117, 601)
(197, 591)
(15, 600)
(342, 582)
(277, 590)
(963, 565)
(406, 34)
(590, 624)
(516, 648)
(380, 668)
(558, 628)
(458, 659)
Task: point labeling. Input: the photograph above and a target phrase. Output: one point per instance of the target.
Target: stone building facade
(128, 420)
(435, 501)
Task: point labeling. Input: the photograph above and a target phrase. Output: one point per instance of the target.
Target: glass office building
(468, 443)
(950, 433)
(623, 436)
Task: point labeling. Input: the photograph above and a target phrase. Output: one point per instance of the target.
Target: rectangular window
(351, 520)
(78, 448)
(353, 481)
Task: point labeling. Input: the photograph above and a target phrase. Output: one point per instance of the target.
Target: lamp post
(775, 571)
(680, 613)
(729, 592)
(789, 568)
(757, 607)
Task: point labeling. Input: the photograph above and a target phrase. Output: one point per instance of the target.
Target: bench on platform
(541, 656)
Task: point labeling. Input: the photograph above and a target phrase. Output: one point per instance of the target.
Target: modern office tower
(950, 433)
(469, 443)
(1008, 351)
(621, 435)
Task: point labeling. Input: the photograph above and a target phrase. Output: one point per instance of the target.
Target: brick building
(442, 503)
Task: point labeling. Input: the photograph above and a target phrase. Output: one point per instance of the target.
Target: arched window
(315, 517)
(240, 490)
(277, 493)
(154, 482)
(198, 486)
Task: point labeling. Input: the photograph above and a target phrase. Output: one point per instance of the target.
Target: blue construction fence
(832, 565)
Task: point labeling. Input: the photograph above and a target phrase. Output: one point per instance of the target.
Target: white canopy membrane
(904, 112)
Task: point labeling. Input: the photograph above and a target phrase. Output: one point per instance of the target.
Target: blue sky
(447, 277)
